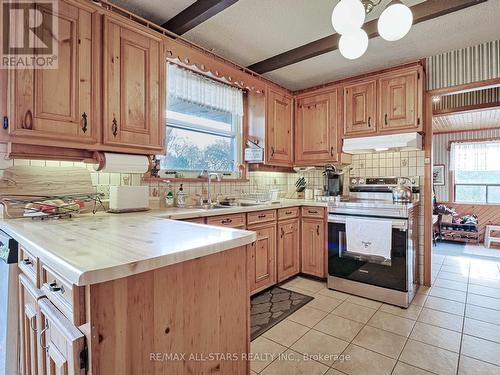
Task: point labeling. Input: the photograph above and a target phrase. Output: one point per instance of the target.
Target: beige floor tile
(483, 350)
(334, 294)
(482, 329)
(482, 313)
(293, 363)
(419, 299)
(298, 290)
(430, 358)
(450, 284)
(452, 276)
(307, 316)
(437, 336)
(324, 303)
(363, 361)
(484, 290)
(380, 341)
(483, 301)
(423, 289)
(471, 366)
(461, 270)
(456, 261)
(339, 327)
(454, 295)
(332, 371)
(358, 313)
(391, 323)
(307, 284)
(405, 369)
(264, 351)
(485, 282)
(286, 332)
(441, 319)
(409, 313)
(320, 346)
(364, 302)
(441, 304)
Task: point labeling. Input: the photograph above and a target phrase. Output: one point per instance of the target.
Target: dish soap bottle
(181, 197)
(169, 196)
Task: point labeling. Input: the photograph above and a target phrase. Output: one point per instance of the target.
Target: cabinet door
(400, 101)
(262, 258)
(288, 249)
(279, 135)
(63, 343)
(360, 108)
(51, 105)
(134, 115)
(316, 129)
(313, 247)
(28, 326)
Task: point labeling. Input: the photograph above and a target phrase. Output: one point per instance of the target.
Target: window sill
(196, 179)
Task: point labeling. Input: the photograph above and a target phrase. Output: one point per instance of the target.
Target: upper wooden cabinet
(400, 101)
(316, 126)
(279, 129)
(133, 76)
(59, 106)
(360, 108)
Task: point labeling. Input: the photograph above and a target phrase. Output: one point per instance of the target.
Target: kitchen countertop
(92, 249)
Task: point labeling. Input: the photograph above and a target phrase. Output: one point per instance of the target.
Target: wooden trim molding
(428, 190)
(479, 85)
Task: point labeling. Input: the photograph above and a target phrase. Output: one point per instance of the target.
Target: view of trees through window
(477, 186)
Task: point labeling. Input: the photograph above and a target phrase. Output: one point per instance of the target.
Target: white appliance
(399, 142)
(9, 300)
(128, 198)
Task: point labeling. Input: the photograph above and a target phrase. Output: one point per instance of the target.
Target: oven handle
(396, 223)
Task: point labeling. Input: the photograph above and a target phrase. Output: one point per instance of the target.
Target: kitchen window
(204, 124)
(476, 171)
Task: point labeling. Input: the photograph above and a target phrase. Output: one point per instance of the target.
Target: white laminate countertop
(92, 249)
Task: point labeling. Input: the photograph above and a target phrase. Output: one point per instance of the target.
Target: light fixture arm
(370, 4)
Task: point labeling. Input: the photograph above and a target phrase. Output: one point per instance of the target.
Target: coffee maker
(334, 181)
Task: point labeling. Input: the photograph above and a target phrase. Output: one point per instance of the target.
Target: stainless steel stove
(391, 280)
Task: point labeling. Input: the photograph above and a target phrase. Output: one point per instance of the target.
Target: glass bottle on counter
(181, 197)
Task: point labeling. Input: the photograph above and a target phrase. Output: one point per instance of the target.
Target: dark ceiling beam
(195, 14)
(425, 11)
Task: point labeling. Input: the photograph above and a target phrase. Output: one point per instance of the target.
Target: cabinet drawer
(28, 264)
(68, 298)
(261, 217)
(230, 221)
(288, 213)
(318, 212)
(197, 220)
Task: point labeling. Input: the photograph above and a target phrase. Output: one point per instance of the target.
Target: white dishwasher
(9, 306)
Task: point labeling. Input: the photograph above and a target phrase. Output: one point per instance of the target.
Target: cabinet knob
(84, 122)
(114, 127)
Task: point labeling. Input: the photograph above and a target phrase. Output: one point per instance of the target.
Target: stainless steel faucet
(209, 177)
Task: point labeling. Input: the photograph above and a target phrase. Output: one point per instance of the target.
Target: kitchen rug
(271, 306)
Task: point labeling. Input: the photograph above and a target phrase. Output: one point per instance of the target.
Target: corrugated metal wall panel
(491, 95)
(441, 155)
(471, 64)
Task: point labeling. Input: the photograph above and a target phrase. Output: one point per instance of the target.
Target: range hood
(395, 142)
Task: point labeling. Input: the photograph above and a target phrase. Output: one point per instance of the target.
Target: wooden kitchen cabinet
(58, 107)
(313, 244)
(400, 101)
(261, 257)
(133, 87)
(288, 249)
(316, 129)
(360, 108)
(279, 129)
(28, 326)
(64, 344)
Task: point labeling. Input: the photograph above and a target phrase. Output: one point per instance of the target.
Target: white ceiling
(472, 120)
(253, 30)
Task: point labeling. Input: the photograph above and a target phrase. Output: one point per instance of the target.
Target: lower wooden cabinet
(261, 257)
(313, 246)
(63, 344)
(288, 249)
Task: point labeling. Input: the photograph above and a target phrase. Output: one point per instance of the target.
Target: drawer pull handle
(53, 287)
(227, 221)
(28, 120)
(84, 125)
(331, 151)
(261, 216)
(385, 118)
(288, 212)
(42, 335)
(27, 262)
(272, 151)
(114, 127)
(313, 212)
(369, 121)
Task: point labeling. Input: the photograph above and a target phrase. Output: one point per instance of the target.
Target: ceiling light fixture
(348, 17)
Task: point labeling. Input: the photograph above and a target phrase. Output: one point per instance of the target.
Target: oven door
(384, 273)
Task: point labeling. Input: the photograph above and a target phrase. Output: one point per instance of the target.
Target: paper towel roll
(123, 163)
